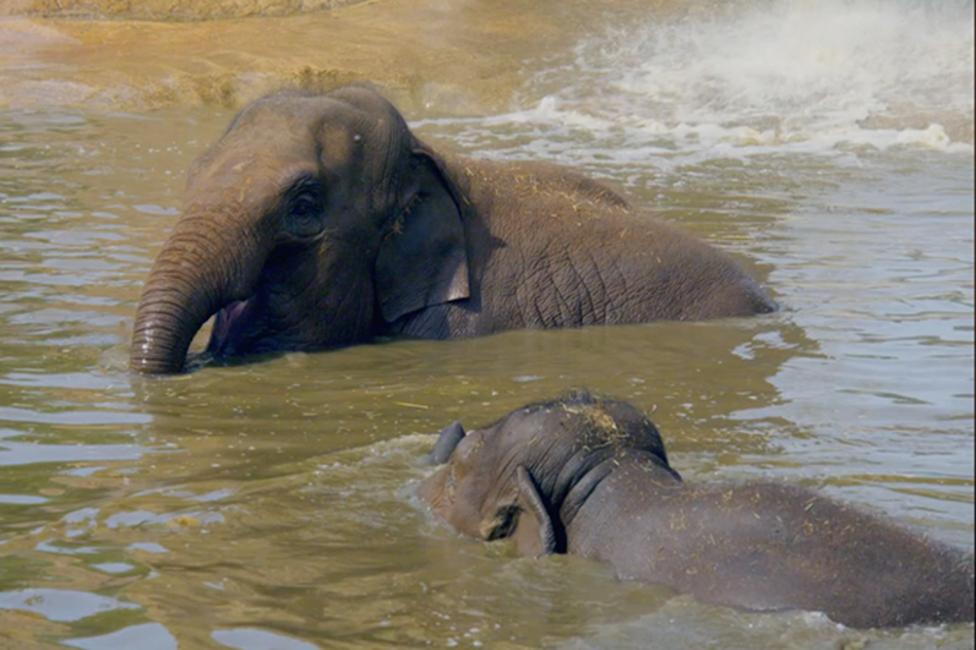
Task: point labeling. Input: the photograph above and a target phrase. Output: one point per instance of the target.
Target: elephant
(319, 220)
(590, 476)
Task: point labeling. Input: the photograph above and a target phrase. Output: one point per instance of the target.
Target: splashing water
(750, 77)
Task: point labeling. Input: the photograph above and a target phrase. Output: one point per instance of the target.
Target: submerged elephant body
(319, 220)
(591, 477)
(555, 249)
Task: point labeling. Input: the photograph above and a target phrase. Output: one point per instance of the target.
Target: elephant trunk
(197, 272)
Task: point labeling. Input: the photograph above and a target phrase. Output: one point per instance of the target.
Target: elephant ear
(423, 259)
(447, 441)
(525, 518)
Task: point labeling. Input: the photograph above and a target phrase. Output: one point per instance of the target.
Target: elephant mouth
(226, 328)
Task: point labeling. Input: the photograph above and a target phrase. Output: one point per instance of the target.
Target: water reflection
(148, 636)
(59, 604)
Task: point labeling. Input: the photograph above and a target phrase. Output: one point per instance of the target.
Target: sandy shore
(166, 9)
(462, 57)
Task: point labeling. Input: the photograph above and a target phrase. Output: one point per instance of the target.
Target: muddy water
(828, 146)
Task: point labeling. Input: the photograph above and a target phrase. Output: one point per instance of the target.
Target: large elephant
(591, 477)
(320, 220)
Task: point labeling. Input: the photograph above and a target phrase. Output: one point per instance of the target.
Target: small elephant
(318, 221)
(590, 476)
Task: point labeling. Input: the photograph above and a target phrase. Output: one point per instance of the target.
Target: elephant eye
(304, 206)
(304, 217)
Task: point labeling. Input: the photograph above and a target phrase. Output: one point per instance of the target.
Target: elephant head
(309, 221)
(525, 476)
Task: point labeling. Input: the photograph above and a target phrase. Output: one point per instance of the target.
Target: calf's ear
(525, 517)
(448, 439)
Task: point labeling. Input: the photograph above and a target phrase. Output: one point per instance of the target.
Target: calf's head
(524, 476)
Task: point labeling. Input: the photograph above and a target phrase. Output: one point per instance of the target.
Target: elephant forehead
(290, 109)
(568, 425)
(339, 143)
(598, 421)
(307, 115)
(255, 182)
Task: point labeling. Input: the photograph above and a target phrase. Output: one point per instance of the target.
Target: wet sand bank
(456, 58)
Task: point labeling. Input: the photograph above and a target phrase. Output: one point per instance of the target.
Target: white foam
(751, 77)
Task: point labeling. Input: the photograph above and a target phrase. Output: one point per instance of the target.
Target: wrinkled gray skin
(591, 477)
(319, 220)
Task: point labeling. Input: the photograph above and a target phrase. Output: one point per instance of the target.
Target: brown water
(271, 505)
